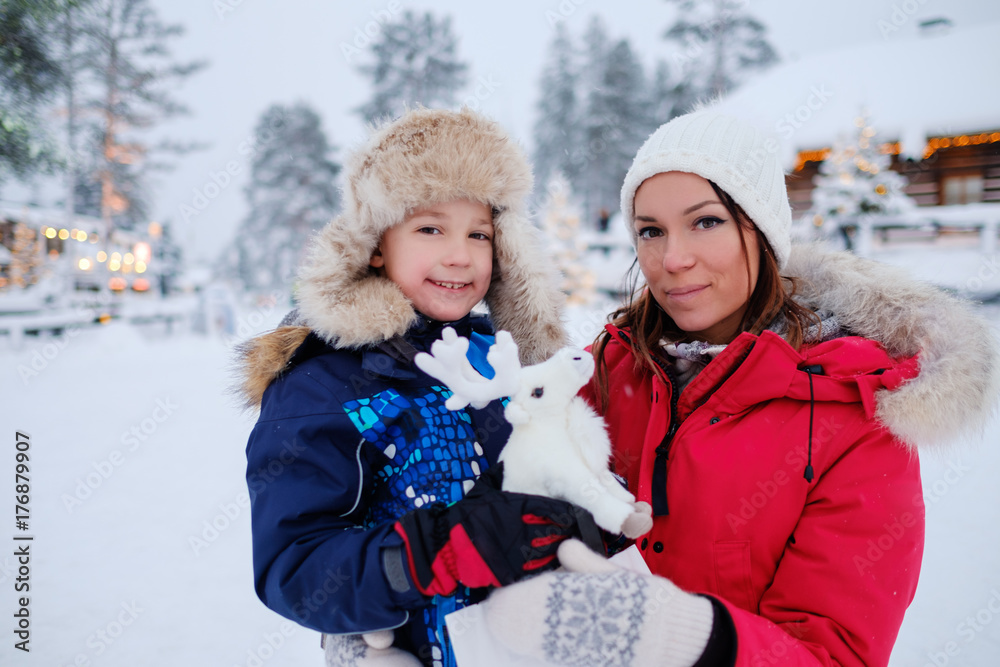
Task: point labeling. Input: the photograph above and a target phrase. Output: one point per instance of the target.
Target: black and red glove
(490, 537)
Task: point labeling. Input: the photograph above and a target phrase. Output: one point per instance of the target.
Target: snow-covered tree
(720, 43)
(415, 62)
(121, 68)
(855, 184)
(615, 123)
(292, 193)
(561, 225)
(557, 132)
(29, 77)
(670, 95)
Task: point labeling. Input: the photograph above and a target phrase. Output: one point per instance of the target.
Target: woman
(771, 422)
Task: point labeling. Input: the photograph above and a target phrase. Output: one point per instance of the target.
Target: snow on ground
(139, 512)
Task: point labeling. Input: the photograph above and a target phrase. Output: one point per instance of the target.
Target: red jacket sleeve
(842, 587)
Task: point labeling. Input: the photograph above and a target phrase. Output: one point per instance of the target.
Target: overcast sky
(262, 52)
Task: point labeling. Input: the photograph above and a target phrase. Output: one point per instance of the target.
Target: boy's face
(441, 256)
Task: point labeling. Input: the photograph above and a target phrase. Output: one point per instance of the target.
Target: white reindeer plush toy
(559, 446)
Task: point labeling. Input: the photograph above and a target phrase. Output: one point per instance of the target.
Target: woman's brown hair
(648, 325)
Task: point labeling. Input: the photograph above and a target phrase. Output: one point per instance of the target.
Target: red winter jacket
(813, 573)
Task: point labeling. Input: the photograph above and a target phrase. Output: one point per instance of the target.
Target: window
(963, 189)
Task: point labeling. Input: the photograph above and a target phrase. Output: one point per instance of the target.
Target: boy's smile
(441, 256)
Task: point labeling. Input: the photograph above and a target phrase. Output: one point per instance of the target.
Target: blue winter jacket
(348, 441)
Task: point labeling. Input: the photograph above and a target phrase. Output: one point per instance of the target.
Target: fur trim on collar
(959, 383)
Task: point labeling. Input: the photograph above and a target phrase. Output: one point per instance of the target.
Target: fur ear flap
(341, 297)
(524, 298)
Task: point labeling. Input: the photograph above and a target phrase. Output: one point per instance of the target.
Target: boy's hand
(490, 537)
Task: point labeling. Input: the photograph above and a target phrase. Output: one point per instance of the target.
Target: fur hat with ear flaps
(425, 157)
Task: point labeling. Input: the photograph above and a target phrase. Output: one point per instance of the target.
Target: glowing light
(116, 257)
(117, 284)
(140, 266)
(50, 233)
(102, 256)
(84, 264)
(155, 230)
(140, 284)
(63, 234)
(142, 251)
(129, 258)
(114, 265)
(94, 238)
(881, 189)
(105, 318)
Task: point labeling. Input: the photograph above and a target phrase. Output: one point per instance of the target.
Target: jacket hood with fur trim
(425, 157)
(958, 384)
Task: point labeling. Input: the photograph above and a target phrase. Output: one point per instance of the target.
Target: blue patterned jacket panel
(347, 442)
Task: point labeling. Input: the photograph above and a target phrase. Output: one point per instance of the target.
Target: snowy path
(118, 576)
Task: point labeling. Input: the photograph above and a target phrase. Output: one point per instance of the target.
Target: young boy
(366, 510)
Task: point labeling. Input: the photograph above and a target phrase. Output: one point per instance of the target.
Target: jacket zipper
(659, 482)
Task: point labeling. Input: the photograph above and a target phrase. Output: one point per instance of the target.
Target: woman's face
(690, 254)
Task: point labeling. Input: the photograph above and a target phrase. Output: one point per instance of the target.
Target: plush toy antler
(447, 362)
(559, 446)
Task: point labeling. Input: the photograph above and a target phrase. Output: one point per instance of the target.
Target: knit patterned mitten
(373, 649)
(595, 613)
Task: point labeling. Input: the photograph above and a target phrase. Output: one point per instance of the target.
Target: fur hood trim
(426, 157)
(958, 386)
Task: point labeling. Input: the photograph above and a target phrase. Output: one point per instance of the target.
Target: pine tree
(556, 132)
(291, 194)
(122, 66)
(720, 44)
(670, 96)
(415, 62)
(854, 184)
(615, 123)
(29, 77)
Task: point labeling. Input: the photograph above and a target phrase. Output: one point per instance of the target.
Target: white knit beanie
(729, 152)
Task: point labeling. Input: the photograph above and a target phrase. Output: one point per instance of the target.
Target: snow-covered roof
(912, 88)
(36, 217)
